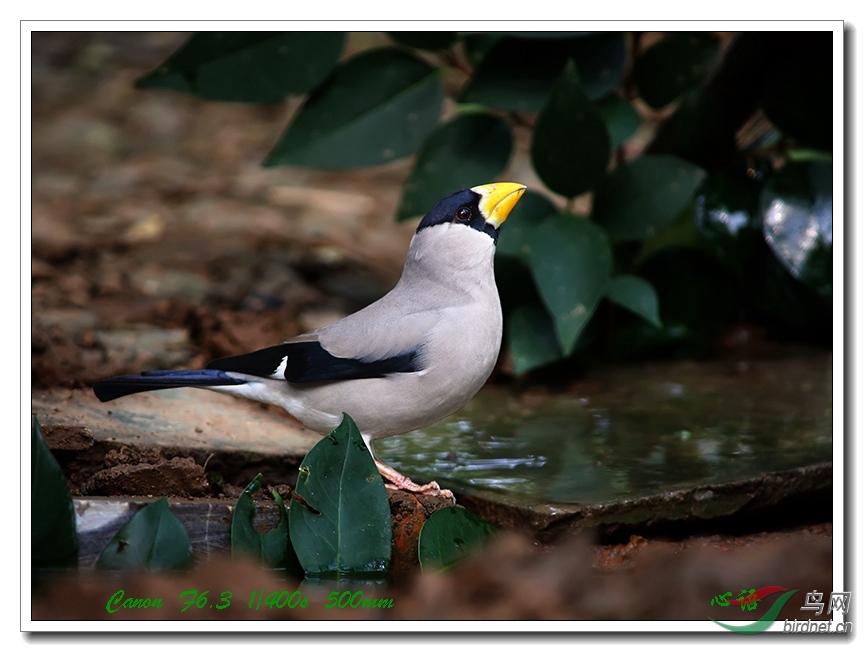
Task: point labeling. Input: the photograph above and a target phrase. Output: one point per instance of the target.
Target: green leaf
(245, 539)
(531, 338)
(470, 149)
(571, 262)
(672, 66)
(681, 233)
(797, 222)
(637, 295)
(276, 550)
(351, 532)
(424, 40)
(601, 59)
(450, 535)
(524, 218)
(514, 281)
(518, 74)
(817, 269)
(260, 67)
(375, 108)
(697, 297)
(54, 539)
(273, 548)
(570, 150)
(640, 198)
(698, 130)
(726, 221)
(805, 155)
(622, 120)
(154, 539)
(787, 305)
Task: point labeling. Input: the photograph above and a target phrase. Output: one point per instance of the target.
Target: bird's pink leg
(399, 481)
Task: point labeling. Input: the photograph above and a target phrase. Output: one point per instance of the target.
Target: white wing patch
(279, 374)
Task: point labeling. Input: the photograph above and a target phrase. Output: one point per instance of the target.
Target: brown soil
(512, 580)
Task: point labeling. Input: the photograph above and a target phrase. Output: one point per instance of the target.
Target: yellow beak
(497, 200)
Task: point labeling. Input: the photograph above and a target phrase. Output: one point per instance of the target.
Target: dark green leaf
(276, 549)
(797, 217)
(726, 221)
(642, 197)
(470, 149)
(816, 269)
(245, 539)
(571, 263)
(54, 539)
(518, 73)
(672, 66)
(273, 548)
(375, 108)
(531, 338)
(601, 60)
(621, 119)
(634, 340)
(260, 67)
(514, 281)
(424, 40)
(524, 218)
(789, 306)
(152, 540)
(351, 533)
(681, 233)
(697, 297)
(637, 295)
(805, 155)
(570, 150)
(698, 131)
(450, 535)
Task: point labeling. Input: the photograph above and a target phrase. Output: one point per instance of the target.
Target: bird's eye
(463, 214)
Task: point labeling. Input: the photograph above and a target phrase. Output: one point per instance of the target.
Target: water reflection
(798, 214)
(634, 431)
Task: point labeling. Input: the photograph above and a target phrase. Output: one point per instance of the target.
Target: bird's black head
(483, 208)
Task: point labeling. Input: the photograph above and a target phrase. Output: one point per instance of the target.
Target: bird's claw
(430, 489)
(434, 489)
(402, 483)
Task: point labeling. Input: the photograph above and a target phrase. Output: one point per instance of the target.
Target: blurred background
(195, 196)
(702, 162)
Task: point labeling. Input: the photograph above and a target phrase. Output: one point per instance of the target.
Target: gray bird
(408, 360)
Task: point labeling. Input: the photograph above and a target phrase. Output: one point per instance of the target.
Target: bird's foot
(398, 481)
(430, 489)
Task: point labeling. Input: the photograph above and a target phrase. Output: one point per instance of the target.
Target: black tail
(110, 388)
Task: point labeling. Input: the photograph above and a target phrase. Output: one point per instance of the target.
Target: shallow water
(631, 431)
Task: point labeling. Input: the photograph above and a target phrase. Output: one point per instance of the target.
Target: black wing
(309, 362)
